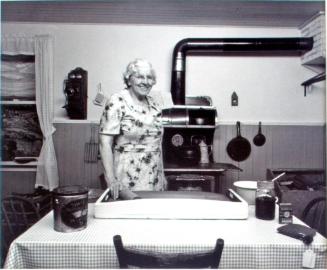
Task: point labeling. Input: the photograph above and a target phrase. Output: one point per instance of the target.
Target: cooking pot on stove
(201, 121)
(188, 155)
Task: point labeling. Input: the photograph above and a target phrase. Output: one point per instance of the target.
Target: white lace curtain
(13, 45)
(42, 47)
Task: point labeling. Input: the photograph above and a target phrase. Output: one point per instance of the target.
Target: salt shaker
(265, 200)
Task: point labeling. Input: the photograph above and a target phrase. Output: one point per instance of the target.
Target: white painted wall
(269, 88)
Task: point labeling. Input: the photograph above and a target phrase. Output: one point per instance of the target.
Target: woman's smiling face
(141, 81)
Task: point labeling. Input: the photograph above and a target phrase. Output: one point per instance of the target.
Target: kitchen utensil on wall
(100, 98)
(239, 148)
(259, 139)
(91, 148)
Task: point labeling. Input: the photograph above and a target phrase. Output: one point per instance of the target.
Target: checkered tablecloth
(250, 243)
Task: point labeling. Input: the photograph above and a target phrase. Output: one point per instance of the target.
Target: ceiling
(174, 12)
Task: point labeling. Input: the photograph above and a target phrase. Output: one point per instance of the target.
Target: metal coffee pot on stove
(204, 152)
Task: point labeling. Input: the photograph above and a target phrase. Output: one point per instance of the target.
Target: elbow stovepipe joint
(225, 45)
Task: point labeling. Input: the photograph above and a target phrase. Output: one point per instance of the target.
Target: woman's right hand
(105, 147)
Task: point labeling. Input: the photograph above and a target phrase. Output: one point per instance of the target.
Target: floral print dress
(137, 143)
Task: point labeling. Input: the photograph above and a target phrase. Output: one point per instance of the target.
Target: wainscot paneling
(287, 146)
(17, 181)
(70, 140)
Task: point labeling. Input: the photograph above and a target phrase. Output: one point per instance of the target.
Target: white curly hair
(132, 68)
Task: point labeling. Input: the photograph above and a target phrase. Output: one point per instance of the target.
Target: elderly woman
(130, 134)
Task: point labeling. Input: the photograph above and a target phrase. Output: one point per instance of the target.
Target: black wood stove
(190, 124)
(188, 144)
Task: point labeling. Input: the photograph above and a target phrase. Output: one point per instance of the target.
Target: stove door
(190, 182)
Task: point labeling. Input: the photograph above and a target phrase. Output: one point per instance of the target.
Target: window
(21, 135)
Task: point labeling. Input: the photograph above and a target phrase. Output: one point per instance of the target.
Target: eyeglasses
(143, 77)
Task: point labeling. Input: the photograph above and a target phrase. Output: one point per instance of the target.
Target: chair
(18, 214)
(145, 259)
(41, 198)
(314, 214)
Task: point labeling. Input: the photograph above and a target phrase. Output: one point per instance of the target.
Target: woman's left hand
(115, 187)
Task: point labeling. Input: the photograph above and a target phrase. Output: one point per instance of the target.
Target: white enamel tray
(233, 207)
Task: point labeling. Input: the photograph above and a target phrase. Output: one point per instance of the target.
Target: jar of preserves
(265, 200)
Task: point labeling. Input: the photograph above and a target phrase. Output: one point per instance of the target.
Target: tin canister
(70, 208)
(285, 213)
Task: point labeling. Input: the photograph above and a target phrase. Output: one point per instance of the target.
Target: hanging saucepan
(238, 148)
(259, 139)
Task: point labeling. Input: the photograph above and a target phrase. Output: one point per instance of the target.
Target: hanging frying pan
(238, 148)
(259, 139)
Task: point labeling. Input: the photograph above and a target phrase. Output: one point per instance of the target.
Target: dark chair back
(145, 259)
(314, 214)
(18, 214)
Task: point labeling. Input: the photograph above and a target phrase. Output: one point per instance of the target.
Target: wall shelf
(63, 120)
(315, 27)
(15, 166)
(315, 79)
(18, 102)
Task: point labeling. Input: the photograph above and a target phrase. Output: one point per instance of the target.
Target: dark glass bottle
(265, 200)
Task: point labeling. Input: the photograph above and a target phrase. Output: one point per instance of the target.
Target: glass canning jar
(265, 200)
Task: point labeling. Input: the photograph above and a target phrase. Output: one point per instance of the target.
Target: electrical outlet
(234, 99)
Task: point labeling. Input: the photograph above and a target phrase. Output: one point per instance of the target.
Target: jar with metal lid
(265, 200)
